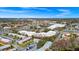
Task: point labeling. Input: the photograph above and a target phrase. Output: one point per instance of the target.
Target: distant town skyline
(39, 12)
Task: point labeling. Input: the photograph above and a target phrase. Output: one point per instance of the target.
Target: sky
(39, 12)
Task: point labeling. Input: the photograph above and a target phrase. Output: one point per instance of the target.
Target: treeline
(51, 19)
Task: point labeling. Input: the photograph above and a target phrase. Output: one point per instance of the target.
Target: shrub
(41, 43)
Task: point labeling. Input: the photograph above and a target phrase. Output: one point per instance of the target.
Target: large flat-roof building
(54, 26)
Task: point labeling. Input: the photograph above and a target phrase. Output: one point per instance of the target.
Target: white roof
(6, 27)
(13, 34)
(29, 33)
(56, 26)
(4, 40)
(41, 34)
(24, 39)
(51, 33)
(45, 34)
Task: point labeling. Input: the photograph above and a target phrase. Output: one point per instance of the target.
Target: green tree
(41, 42)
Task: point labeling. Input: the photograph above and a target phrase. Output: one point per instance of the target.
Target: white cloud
(41, 8)
(13, 11)
(20, 13)
(63, 12)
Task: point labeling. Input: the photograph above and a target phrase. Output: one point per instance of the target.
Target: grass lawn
(1, 44)
(25, 44)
